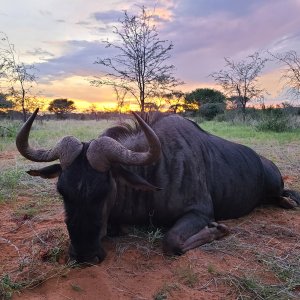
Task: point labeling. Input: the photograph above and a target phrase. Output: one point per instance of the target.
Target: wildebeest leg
(191, 231)
(287, 202)
(206, 235)
(289, 199)
(292, 197)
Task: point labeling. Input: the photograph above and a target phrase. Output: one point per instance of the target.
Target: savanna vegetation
(258, 260)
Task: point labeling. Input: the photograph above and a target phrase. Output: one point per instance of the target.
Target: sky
(64, 38)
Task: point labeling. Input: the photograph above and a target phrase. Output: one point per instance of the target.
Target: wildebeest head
(87, 173)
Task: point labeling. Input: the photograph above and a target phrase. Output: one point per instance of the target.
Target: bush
(274, 120)
(211, 110)
(9, 129)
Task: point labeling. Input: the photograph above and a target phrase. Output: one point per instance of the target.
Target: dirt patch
(135, 269)
(7, 158)
(260, 258)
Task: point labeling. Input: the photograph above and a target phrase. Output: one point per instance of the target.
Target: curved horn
(66, 150)
(104, 151)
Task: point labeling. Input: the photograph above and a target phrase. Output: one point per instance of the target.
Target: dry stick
(3, 240)
(36, 234)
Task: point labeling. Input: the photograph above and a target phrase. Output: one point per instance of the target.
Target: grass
(75, 287)
(8, 287)
(248, 135)
(280, 278)
(37, 266)
(26, 211)
(187, 275)
(144, 239)
(9, 182)
(165, 291)
(47, 133)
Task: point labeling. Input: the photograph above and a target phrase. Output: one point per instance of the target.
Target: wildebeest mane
(124, 130)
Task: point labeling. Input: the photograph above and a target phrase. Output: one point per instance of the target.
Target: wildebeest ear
(133, 180)
(47, 172)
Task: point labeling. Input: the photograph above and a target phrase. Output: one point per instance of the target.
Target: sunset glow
(63, 41)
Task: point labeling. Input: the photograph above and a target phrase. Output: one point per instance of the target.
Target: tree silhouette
(139, 67)
(19, 77)
(240, 79)
(61, 107)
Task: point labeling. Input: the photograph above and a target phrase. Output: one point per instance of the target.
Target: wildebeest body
(197, 171)
(114, 180)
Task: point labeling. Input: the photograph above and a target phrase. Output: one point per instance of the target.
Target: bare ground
(260, 259)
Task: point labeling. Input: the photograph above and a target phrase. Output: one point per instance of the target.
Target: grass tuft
(187, 275)
(166, 290)
(76, 288)
(8, 287)
(9, 181)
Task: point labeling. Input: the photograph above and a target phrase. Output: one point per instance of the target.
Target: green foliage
(8, 287)
(285, 268)
(9, 129)
(249, 287)
(61, 107)
(270, 119)
(9, 180)
(165, 291)
(204, 96)
(210, 110)
(187, 275)
(4, 103)
(246, 134)
(274, 120)
(76, 287)
(155, 236)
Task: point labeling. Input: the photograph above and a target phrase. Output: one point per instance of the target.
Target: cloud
(45, 13)
(77, 61)
(39, 52)
(204, 33)
(203, 8)
(83, 23)
(110, 16)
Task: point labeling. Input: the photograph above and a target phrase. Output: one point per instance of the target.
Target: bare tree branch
(139, 68)
(291, 71)
(239, 79)
(19, 77)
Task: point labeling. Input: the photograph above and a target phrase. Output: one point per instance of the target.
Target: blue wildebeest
(167, 171)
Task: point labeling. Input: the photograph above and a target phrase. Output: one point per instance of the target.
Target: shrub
(274, 120)
(210, 110)
(9, 129)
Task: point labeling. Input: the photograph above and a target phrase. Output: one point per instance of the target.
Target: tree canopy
(61, 107)
(205, 95)
(4, 103)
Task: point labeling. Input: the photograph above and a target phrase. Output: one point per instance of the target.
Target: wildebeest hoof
(221, 227)
(213, 224)
(287, 202)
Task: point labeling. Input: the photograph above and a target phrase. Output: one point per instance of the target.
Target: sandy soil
(136, 268)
